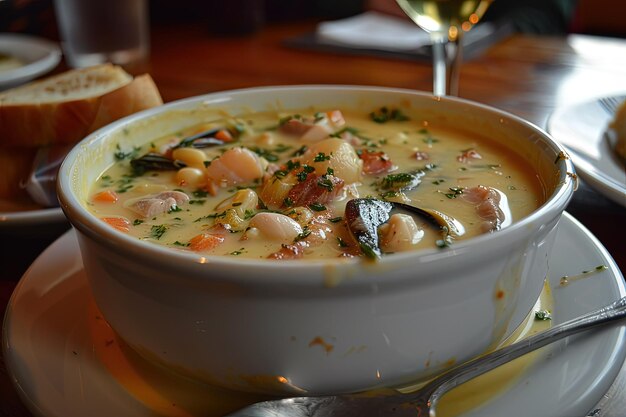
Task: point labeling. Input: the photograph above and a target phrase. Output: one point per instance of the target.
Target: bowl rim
(97, 230)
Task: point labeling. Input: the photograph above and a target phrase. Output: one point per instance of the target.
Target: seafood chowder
(316, 183)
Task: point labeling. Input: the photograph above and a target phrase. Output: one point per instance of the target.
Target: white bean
(193, 177)
(276, 226)
(191, 157)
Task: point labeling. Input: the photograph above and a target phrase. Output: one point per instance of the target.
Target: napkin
(380, 34)
(373, 30)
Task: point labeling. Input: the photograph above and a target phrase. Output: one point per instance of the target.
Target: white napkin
(373, 30)
(379, 31)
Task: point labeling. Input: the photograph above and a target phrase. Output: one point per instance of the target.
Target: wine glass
(445, 21)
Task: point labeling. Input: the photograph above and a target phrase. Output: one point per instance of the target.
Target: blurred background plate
(24, 57)
(583, 129)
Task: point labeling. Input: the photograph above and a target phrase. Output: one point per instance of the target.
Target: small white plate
(582, 129)
(42, 223)
(66, 361)
(38, 56)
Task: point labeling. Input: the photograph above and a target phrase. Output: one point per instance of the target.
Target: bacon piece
(315, 189)
(375, 162)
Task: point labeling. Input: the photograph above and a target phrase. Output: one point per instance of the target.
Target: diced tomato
(205, 241)
(107, 196)
(375, 162)
(120, 223)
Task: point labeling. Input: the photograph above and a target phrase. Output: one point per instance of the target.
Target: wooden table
(525, 75)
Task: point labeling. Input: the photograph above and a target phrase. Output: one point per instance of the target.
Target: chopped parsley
(157, 231)
(120, 155)
(543, 315)
(454, 192)
(321, 157)
(384, 115)
(342, 243)
(317, 207)
(305, 233)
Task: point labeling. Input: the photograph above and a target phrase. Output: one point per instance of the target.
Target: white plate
(33, 223)
(38, 55)
(582, 129)
(54, 342)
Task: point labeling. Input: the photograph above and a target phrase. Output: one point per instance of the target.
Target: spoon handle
(469, 370)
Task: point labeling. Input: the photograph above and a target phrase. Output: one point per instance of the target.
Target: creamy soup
(315, 183)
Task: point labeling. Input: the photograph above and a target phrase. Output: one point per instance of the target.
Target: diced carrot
(336, 117)
(224, 135)
(120, 223)
(107, 196)
(205, 241)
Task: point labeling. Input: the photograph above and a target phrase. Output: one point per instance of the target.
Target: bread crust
(69, 121)
(43, 113)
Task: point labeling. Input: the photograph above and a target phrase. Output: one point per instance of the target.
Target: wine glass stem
(447, 57)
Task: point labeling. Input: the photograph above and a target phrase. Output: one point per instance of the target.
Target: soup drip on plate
(315, 183)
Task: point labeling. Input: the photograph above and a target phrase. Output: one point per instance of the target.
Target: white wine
(445, 17)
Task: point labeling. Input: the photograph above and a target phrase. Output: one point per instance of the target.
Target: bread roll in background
(618, 124)
(60, 110)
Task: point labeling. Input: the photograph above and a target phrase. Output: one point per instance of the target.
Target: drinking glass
(445, 21)
(94, 32)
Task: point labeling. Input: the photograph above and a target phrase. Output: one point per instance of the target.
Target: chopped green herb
(158, 231)
(543, 315)
(265, 153)
(177, 243)
(340, 132)
(384, 115)
(121, 155)
(321, 157)
(455, 192)
(336, 219)
(305, 232)
(341, 242)
(238, 252)
(317, 207)
(326, 183)
(137, 222)
(300, 151)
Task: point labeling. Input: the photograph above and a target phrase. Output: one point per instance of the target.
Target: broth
(275, 184)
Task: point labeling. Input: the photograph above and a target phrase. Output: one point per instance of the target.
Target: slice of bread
(61, 110)
(66, 107)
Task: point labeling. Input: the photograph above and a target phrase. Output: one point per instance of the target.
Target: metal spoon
(422, 403)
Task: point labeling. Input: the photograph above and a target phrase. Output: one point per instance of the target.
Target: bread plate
(37, 56)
